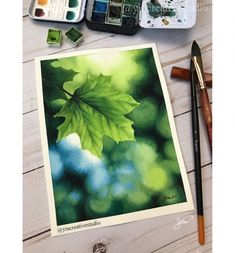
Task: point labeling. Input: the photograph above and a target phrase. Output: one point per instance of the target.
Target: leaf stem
(65, 91)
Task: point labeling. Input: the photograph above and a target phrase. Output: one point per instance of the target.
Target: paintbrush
(197, 155)
(205, 103)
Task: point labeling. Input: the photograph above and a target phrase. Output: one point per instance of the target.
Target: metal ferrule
(202, 83)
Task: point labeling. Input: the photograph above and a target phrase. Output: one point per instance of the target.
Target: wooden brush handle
(206, 109)
(184, 74)
(201, 229)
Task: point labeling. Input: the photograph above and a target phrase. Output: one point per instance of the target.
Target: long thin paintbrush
(197, 156)
(205, 103)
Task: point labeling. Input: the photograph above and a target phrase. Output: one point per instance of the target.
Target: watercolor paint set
(71, 11)
(118, 16)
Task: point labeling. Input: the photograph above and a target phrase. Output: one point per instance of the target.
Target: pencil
(197, 157)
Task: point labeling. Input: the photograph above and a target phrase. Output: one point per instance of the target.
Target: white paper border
(122, 218)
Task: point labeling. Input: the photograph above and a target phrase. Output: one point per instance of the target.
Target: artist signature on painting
(170, 196)
(180, 221)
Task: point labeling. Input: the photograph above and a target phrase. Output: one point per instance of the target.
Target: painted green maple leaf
(96, 109)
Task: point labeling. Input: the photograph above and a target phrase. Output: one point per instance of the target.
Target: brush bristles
(195, 49)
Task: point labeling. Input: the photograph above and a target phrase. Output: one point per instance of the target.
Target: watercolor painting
(109, 141)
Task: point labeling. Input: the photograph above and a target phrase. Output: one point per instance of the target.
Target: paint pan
(70, 15)
(128, 22)
(73, 36)
(54, 38)
(42, 2)
(98, 17)
(39, 12)
(100, 7)
(73, 3)
(114, 14)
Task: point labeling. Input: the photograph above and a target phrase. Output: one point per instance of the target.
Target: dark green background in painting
(132, 175)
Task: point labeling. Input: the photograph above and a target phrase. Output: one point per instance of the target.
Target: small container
(161, 14)
(69, 11)
(54, 38)
(118, 16)
(74, 36)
